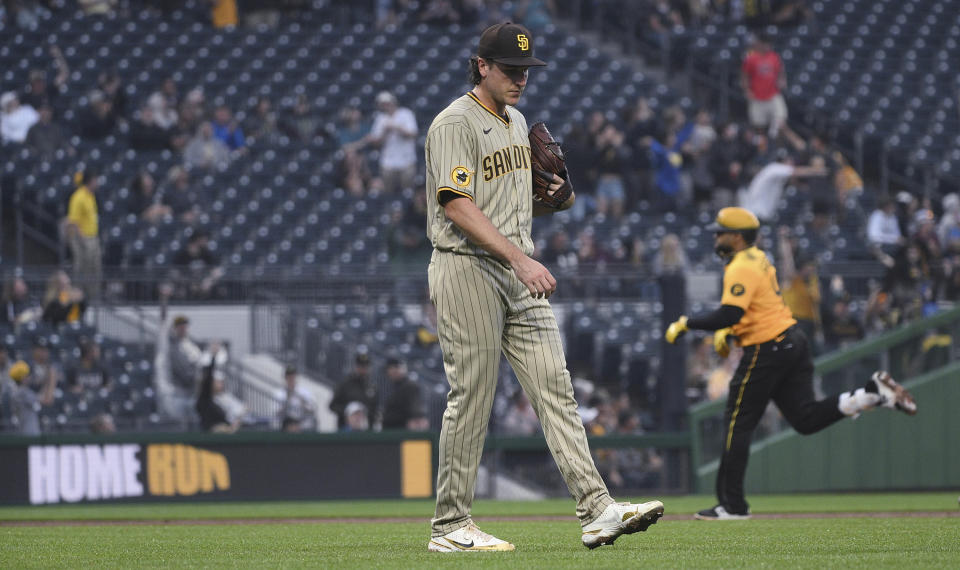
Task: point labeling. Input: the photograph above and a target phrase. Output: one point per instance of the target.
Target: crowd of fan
(649, 159)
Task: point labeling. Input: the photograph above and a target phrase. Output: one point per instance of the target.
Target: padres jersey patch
(461, 176)
(737, 289)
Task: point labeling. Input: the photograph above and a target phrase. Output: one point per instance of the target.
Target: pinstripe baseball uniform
(483, 309)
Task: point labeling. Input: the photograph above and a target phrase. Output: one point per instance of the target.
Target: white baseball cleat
(893, 395)
(719, 513)
(468, 539)
(618, 519)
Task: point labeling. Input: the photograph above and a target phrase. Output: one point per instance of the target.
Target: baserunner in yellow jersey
(491, 298)
(775, 365)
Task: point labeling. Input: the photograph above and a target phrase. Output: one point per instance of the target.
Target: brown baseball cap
(510, 44)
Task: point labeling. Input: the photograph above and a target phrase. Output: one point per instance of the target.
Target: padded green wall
(882, 449)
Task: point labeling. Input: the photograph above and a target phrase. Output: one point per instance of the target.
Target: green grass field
(818, 542)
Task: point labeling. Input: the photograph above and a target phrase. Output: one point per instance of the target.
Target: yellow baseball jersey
(750, 282)
(474, 152)
(82, 211)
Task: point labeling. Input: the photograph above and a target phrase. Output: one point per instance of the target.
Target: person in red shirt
(763, 79)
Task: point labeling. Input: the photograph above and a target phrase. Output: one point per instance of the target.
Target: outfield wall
(188, 467)
(880, 450)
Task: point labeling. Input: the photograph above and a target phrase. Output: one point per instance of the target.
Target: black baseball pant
(782, 370)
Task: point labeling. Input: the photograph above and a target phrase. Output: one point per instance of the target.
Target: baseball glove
(547, 160)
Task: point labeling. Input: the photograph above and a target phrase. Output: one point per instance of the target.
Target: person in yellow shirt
(776, 363)
(801, 290)
(83, 233)
(223, 13)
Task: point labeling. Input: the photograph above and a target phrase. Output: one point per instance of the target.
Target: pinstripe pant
(483, 310)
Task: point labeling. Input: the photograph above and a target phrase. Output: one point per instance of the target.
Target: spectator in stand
(205, 151)
(144, 200)
(195, 268)
(612, 162)
(110, 84)
(907, 283)
(404, 408)
(883, 231)
(931, 252)
(223, 13)
(386, 13)
(298, 410)
(519, 418)
(98, 119)
(5, 354)
(670, 259)
(642, 121)
(23, 400)
(633, 468)
(185, 361)
(97, 7)
(351, 126)
(948, 230)
(951, 270)
(15, 119)
(667, 160)
(588, 250)
(354, 174)
(846, 180)
(439, 13)
(301, 124)
(181, 195)
(163, 103)
(840, 327)
(46, 374)
(881, 313)
(261, 124)
(801, 288)
(46, 137)
(535, 14)
(356, 387)
(39, 93)
(226, 129)
(579, 150)
(146, 134)
(214, 416)
(26, 13)
(62, 302)
(700, 149)
(704, 134)
(192, 112)
(427, 328)
(763, 80)
(102, 424)
(641, 124)
(762, 196)
(395, 131)
(727, 165)
(16, 306)
(559, 253)
(88, 373)
(83, 233)
(6, 383)
(356, 417)
(907, 206)
(407, 243)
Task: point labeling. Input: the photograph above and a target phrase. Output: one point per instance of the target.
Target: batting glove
(721, 341)
(676, 329)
